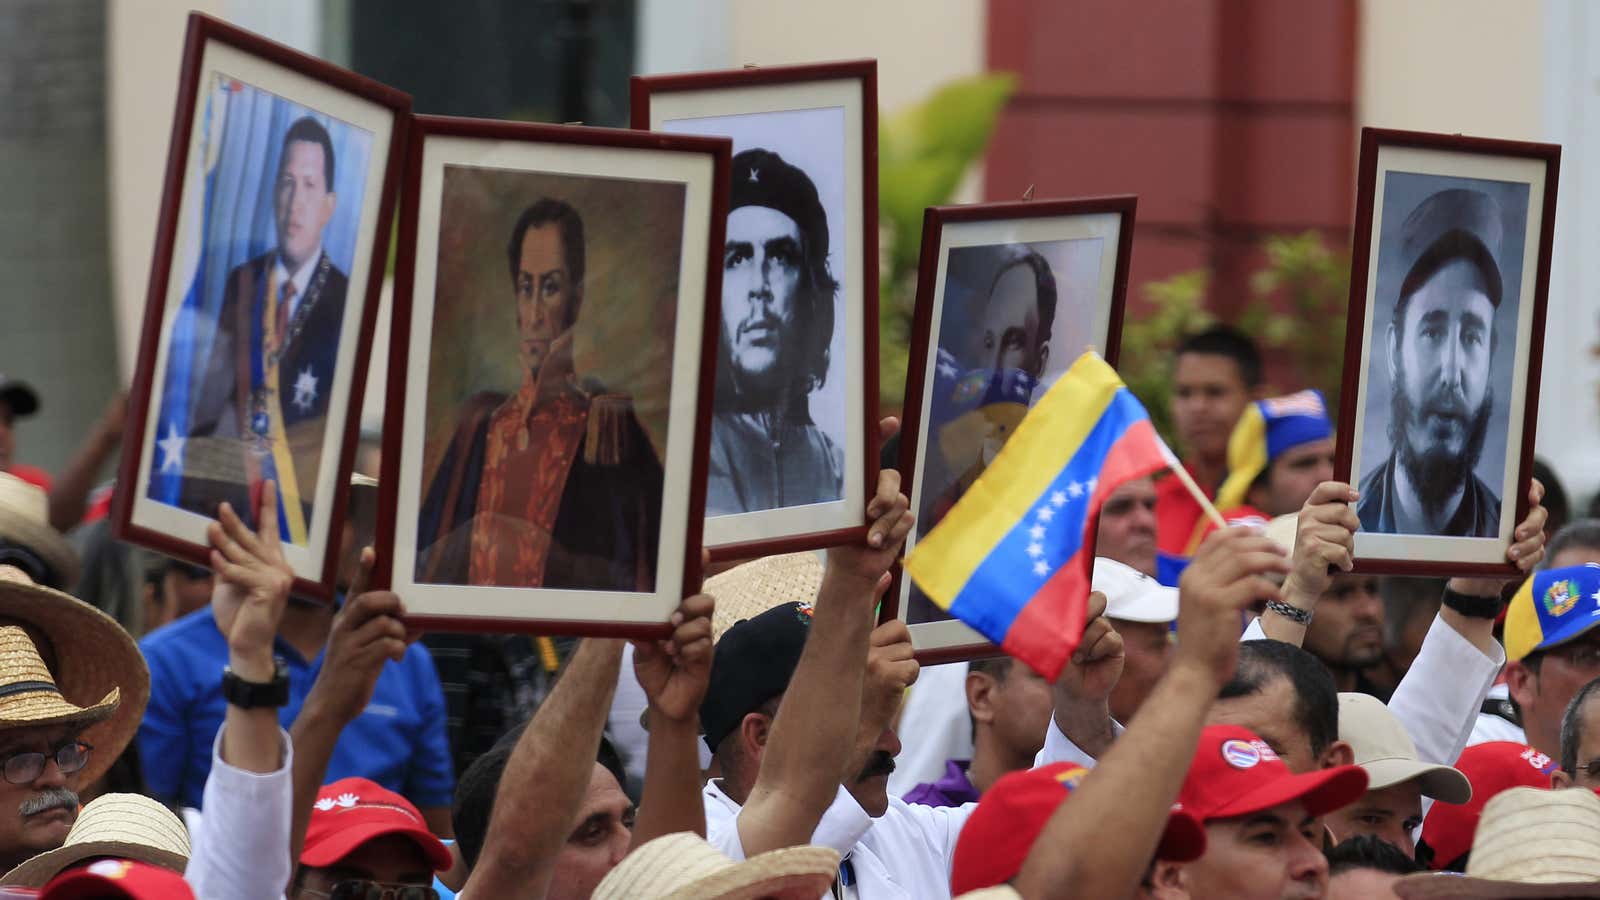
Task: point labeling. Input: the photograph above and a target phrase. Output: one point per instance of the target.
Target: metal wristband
(1293, 613)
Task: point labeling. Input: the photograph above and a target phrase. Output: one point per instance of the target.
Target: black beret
(752, 663)
(763, 178)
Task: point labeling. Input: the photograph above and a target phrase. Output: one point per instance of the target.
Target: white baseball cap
(1383, 748)
(1132, 595)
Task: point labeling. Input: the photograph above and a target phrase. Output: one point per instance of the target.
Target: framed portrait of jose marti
(1450, 269)
(544, 445)
(269, 256)
(1008, 295)
(793, 458)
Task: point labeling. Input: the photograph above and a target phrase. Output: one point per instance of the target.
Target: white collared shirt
(1490, 727)
(240, 851)
(301, 277)
(904, 853)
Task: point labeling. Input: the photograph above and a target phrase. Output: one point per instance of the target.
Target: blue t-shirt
(398, 741)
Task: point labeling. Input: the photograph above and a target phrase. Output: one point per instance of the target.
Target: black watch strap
(255, 694)
(1473, 607)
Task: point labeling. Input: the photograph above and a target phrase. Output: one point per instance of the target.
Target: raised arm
(814, 734)
(1083, 693)
(1324, 543)
(69, 496)
(674, 674)
(545, 779)
(1131, 792)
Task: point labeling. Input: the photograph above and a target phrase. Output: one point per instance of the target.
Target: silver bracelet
(1293, 613)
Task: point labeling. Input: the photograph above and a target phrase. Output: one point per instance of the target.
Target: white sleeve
(842, 824)
(1255, 632)
(241, 849)
(1439, 698)
(1060, 748)
(940, 825)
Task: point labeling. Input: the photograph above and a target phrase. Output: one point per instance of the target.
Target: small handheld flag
(1012, 559)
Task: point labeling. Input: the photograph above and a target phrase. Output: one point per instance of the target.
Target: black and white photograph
(1453, 265)
(787, 442)
(1006, 302)
(260, 320)
(537, 474)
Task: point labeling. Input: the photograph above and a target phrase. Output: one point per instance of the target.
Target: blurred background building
(1236, 122)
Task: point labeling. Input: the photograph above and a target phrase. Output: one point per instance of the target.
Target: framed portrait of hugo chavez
(793, 456)
(1008, 295)
(544, 446)
(269, 255)
(1449, 275)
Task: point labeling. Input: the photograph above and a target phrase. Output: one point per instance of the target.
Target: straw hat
(124, 826)
(90, 655)
(684, 866)
(1530, 843)
(25, 520)
(747, 591)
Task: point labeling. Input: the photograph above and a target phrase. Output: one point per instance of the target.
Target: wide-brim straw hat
(90, 656)
(748, 590)
(25, 520)
(1530, 843)
(684, 866)
(121, 826)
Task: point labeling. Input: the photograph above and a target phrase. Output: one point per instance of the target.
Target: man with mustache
(261, 402)
(777, 322)
(1441, 341)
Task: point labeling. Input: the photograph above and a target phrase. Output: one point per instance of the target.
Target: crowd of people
(1274, 726)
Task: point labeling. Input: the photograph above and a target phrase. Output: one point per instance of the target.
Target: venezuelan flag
(1012, 559)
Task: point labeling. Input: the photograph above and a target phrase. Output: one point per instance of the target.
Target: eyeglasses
(356, 889)
(23, 768)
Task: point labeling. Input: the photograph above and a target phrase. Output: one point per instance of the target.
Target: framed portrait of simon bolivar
(269, 256)
(793, 456)
(1008, 295)
(544, 432)
(1443, 344)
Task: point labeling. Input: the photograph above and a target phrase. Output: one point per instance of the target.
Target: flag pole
(1199, 496)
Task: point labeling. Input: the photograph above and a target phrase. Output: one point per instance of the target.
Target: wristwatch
(1473, 607)
(256, 694)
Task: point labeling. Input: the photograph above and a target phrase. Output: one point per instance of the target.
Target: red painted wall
(1231, 119)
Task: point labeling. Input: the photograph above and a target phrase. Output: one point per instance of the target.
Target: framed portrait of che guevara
(1008, 295)
(545, 427)
(269, 257)
(793, 456)
(1450, 269)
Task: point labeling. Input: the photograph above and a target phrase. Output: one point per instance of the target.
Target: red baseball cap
(1235, 773)
(1013, 813)
(121, 878)
(1491, 768)
(352, 811)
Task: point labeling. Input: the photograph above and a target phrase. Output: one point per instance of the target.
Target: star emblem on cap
(755, 176)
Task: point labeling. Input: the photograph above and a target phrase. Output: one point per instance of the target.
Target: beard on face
(1436, 472)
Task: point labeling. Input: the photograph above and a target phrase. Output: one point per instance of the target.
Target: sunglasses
(356, 889)
(24, 768)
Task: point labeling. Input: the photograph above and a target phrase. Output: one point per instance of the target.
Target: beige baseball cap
(1132, 595)
(1383, 748)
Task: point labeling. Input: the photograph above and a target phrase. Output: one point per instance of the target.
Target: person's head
(1010, 705)
(1397, 779)
(28, 541)
(1142, 611)
(998, 835)
(685, 865)
(120, 825)
(1262, 837)
(364, 834)
(303, 199)
(173, 589)
(546, 260)
(1529, 843)
(17, 400)
(598, 840)
(1491, 768)
(1347, 632)
(1278, 453)
(1013, 329)
(1366, 867)
(1409, 608)
(1552, 647)
(1287, 697)
(1576, 543)
(1217, 372)
(1441, 339)
(777, 289)
(1127, 531)
(1580, 739)
(118, 879)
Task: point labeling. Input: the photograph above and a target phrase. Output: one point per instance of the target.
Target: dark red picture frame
(641, 89)
(1372, 140)
(202, 30)
(422, 127)
(934, 221)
